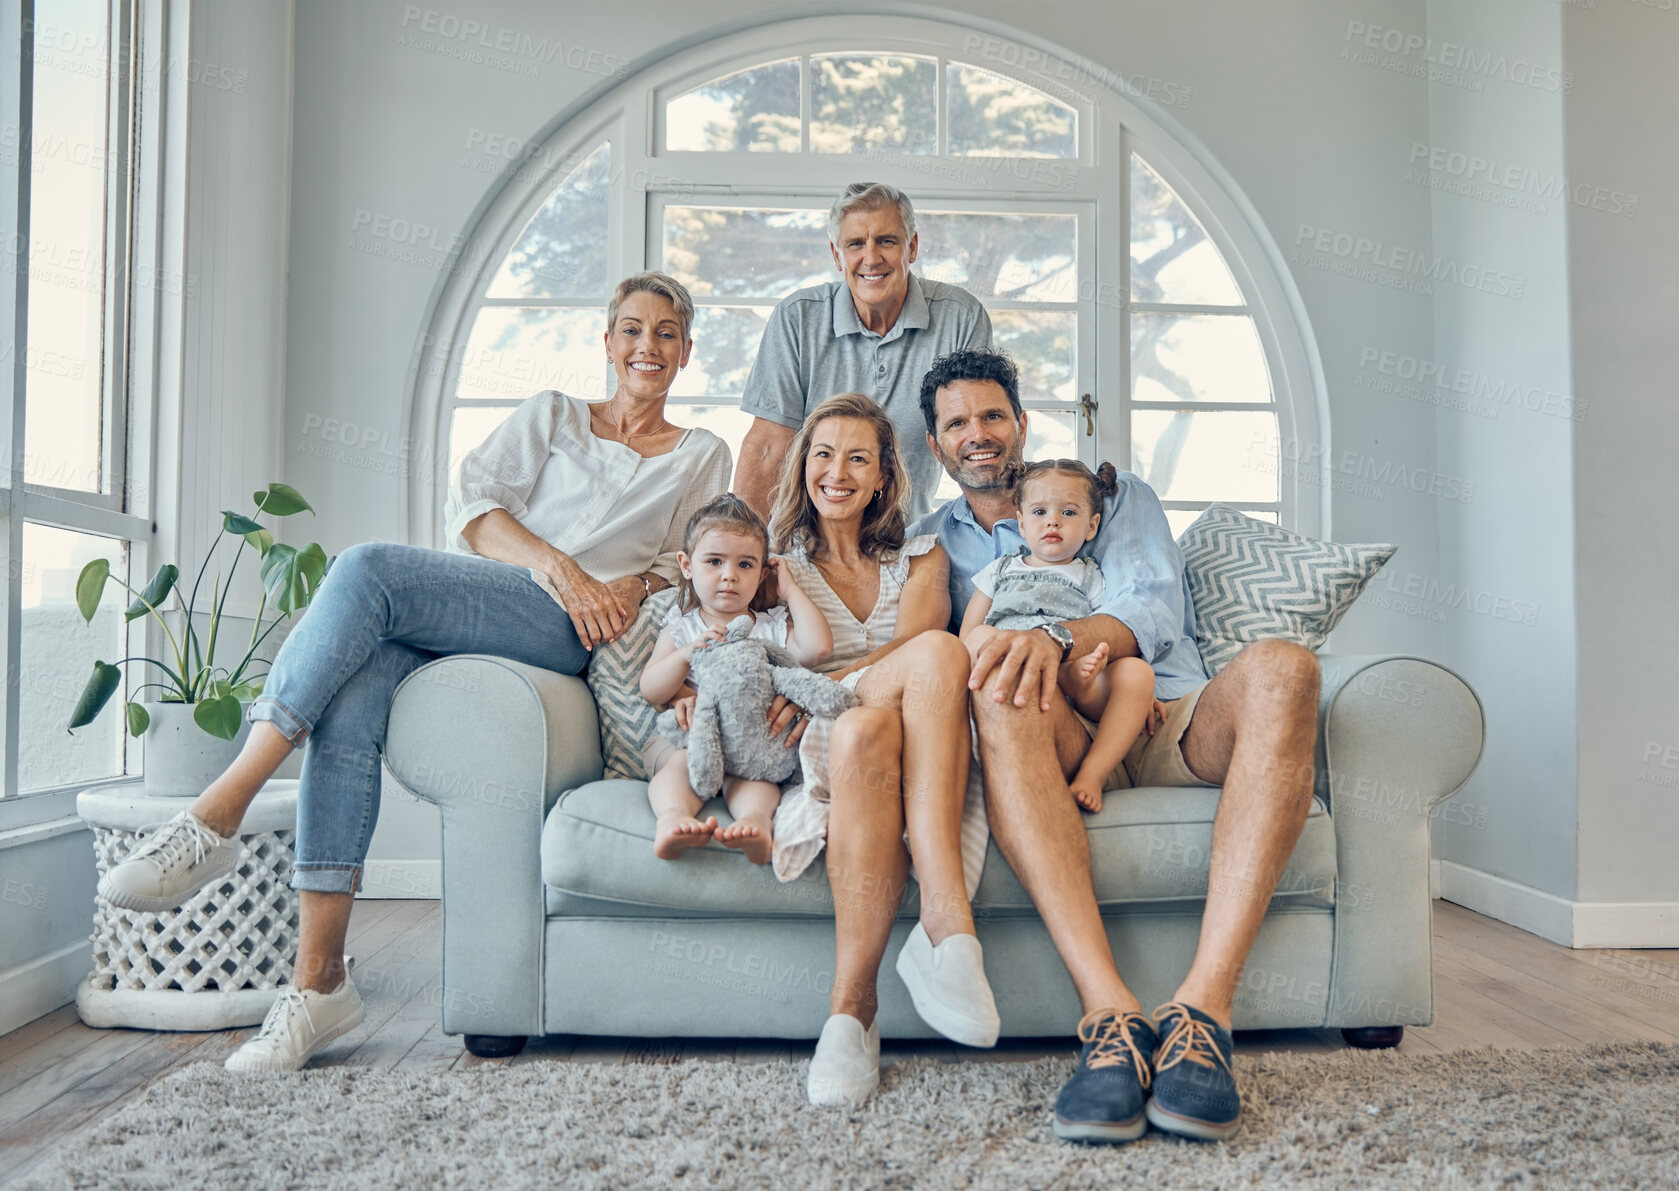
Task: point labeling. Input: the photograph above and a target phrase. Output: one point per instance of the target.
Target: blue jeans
(383, 612)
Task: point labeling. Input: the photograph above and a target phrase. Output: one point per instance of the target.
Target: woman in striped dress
(895, 770)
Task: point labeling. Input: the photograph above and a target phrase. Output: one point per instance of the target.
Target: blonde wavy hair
(794, 523)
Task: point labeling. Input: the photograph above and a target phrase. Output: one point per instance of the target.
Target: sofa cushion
(614, 676)
(1147, 846)
(1251, 580)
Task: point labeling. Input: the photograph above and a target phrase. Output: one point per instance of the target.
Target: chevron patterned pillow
(614, 675)
(1250, 580)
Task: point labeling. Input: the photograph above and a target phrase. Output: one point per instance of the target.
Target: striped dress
(801, 821)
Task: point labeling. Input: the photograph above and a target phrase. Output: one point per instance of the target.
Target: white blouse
(613, 511)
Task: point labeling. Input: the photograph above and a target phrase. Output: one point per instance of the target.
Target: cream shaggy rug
(1601, 1116)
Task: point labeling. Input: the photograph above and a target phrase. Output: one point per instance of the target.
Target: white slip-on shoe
(300, 1024)
(948, 985)
(845, 1070)
(172, 863)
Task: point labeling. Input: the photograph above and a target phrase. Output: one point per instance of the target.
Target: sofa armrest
(492, 743)
(1397, 735)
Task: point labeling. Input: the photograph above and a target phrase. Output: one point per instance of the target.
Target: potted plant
(196, 725)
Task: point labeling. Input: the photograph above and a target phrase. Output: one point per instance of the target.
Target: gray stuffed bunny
(738, 679)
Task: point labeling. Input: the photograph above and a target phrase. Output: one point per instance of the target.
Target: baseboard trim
(1626, 924)
(1575, 924)
(43, 984)
(422, 879)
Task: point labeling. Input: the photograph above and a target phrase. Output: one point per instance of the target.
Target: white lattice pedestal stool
(216, 962)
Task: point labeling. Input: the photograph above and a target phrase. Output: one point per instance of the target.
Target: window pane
(562, 251)
(470, 427)
(65, 410)
(1044, 344)
(1206, 456)
(1182, 519)
(991, 116)
(1172, 260)
(860, 103)
(515, 351)
(1197, 357)
(1051, 435)
(756, 110)
(1023, 258)
(746, 252)
(58, 652)
(725, 344)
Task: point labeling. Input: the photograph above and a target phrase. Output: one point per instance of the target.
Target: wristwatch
(646, 587)
(1062, 636)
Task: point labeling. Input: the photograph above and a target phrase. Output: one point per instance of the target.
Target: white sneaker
(845, 1069)
(948, 985)
(173, 862)
(300, 1025)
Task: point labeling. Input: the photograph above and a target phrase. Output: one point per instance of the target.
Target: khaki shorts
(1157, 760)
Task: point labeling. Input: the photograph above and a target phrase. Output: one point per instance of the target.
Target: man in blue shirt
(1251, 730)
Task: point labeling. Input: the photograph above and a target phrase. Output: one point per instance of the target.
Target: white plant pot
(181, 757)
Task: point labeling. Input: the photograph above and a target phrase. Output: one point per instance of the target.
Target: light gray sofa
(557, 918)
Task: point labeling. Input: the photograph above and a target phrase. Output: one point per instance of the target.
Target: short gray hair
(662, 284)
(870, 196)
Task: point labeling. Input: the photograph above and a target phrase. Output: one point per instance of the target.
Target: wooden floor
(1494, 986)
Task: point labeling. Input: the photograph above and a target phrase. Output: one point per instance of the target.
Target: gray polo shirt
(815, 346)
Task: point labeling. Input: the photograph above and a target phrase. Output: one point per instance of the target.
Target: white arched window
(1151, 318)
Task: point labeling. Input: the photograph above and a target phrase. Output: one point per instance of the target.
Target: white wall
(383, 128)
(1620, 135)
(1509, 548)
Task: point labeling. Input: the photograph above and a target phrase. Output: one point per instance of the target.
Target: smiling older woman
(564, 520)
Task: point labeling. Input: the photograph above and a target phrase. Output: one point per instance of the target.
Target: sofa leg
(495, 1046)
(1368, 1037)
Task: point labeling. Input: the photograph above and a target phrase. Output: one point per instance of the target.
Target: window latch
(1089, 407)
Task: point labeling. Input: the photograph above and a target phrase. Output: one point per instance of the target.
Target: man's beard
(1003, 480)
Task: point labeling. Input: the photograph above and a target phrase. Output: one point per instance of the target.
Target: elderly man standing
(877, 331)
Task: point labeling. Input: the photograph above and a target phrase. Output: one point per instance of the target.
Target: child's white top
(1079, 572)
(685, 627)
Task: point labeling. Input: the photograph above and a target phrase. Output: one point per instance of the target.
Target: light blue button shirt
(1142, 568)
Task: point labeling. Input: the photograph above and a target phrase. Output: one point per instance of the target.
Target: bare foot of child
(677, 833)
(1078, 679)
(751, 835)
(1087, 792)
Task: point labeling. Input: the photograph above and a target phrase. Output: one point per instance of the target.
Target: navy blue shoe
(1103, 1102)
(1194, 1080)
